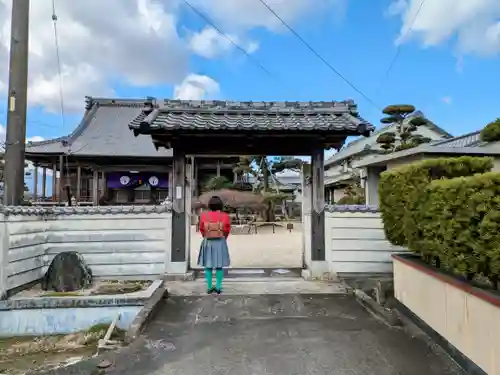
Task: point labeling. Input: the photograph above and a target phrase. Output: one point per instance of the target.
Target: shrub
(459, 225)
(351, 200)
(491, 132)
(399, 190)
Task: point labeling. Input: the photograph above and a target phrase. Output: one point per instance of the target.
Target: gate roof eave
(226, 127)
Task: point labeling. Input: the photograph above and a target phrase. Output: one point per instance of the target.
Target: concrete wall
(356, 242)
(465, 316)
(116, 242)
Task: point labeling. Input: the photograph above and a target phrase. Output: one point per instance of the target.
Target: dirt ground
(262, 250)
(99, 287)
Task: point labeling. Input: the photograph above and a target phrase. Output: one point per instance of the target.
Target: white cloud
(36, 138)
(209, 43)
(474, 23)
(3, 135)
(447, 100)
(134, 42)
(196, 87)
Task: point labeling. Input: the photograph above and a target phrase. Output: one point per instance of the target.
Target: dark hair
(215, 204)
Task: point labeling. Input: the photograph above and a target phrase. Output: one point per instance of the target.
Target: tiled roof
(466, 140)
(255, 116)
(76, 210)
(467, 144)
(357, 146)
(103, 131)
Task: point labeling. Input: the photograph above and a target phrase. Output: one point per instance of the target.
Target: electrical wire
(398, 50)
(61, 94)
(318, 55)
(236, 45)
(58, 55)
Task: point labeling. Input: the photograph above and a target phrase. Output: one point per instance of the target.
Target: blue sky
(448, 66)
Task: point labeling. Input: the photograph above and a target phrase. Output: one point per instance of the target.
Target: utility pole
(17, 104)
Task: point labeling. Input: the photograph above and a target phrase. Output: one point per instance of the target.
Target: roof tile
(104, 131)
(256, 116)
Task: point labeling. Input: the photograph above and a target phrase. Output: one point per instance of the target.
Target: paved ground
(287, 334)
(258, 286)
(264, 249)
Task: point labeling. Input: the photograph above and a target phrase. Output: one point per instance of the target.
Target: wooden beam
(35, 183)
(95, 182)
(179, 226)
(78, 183)
(44, 182)
(54, 181)
(318, 205)
(60, 179)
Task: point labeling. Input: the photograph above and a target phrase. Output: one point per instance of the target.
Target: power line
(398, 50)
(310, 48)
(58, 55)
(61, 98)
(236, 45)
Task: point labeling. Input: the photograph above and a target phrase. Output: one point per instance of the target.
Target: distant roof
(467, 144)
(355, 147)
(254, 116)
(103, 131)
(466, 140)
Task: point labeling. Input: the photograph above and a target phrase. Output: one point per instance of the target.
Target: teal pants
(219, 275)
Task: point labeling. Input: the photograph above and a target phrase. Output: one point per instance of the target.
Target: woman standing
(215, 226)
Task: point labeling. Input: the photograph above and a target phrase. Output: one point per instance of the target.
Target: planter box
(462, 318)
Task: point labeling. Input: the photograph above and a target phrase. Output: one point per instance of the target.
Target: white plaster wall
(466, 321)
(130, 246)
(26, 241)
(356, 243)
(115, 245)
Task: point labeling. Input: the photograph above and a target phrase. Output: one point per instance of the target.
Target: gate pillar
(178, 264)
(314, 225)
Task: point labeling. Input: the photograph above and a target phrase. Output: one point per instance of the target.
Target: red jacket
(213, 217)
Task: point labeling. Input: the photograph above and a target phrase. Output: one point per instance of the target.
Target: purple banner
(127, 180)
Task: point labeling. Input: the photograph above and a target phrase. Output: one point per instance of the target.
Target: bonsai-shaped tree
(263, 170)
(217, 183)
(387, 141)
(491, 132)
(406, 120)
(353, 195)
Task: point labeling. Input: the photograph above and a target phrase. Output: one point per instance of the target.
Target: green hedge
(400, 189)
(459, 225)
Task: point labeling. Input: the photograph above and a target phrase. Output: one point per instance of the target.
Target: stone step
(255, 286)
(239, 273)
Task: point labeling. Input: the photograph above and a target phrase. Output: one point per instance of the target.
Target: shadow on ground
(271, 335)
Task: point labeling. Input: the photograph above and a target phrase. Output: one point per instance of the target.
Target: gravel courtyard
(262, 250)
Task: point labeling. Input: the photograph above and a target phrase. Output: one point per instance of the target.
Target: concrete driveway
(287, 334)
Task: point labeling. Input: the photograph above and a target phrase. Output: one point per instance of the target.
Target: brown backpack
(214, 229)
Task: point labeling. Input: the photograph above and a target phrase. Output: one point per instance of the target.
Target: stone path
(294, 334)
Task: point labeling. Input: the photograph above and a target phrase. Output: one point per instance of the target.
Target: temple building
(102, 162)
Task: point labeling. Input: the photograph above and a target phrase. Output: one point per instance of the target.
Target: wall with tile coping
(356, 242)
(117, 242)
